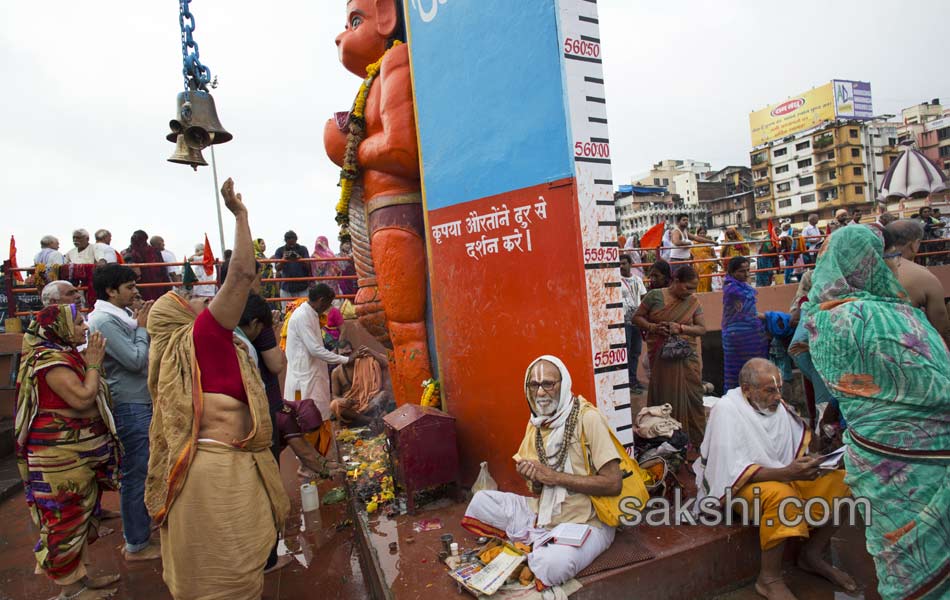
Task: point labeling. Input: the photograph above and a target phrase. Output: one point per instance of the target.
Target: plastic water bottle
(309, 497)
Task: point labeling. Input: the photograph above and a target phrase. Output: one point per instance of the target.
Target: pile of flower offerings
(368, 469)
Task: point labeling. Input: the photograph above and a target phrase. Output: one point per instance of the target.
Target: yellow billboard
(796, 114)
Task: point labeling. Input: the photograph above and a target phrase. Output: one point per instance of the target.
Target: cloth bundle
(656, 421)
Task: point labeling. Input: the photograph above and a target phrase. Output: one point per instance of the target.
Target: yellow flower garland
(431, 395)
(357, 132)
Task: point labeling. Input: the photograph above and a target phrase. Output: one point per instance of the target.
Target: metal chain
(197, 76)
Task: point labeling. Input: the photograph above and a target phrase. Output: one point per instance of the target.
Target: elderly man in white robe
(755, 449)
(308, 375)
(555, 465)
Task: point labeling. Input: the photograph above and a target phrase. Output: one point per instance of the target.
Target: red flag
(13, 266)
(208, 258)
(654, 236)
(772, 235)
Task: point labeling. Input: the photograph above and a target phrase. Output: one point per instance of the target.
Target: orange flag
(654, 236)
(208, 259)
(772, 235)
(16, 274)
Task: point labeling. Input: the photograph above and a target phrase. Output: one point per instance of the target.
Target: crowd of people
(869, 330)
(295, 266)
(183, 404)
(783, 259)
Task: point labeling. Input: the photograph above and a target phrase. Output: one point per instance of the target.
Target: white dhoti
(506, 515)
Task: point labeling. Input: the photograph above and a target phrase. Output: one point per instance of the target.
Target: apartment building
(819, 170)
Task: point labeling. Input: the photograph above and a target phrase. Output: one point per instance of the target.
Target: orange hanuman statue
(385, 208)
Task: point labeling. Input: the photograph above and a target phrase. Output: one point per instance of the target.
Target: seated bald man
(755, 448)
(559, 475)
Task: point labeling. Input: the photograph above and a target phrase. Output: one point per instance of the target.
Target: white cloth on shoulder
(737, 437)
(552, 497)
(122, 314)
(552, 564)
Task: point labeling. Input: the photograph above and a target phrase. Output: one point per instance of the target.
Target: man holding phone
(292, 252)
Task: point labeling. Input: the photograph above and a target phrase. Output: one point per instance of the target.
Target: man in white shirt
(631, 291)
(158, 242)
(681, 241)
(105, 253)
(307, 358)
(49, 253)
(207, 284)
(812, 238)
(666, 245)
(83, 253)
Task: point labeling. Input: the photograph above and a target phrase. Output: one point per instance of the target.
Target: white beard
(548, 409)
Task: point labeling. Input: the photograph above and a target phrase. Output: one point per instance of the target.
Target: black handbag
(676, 348)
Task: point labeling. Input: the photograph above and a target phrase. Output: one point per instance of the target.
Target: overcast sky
(89, 90)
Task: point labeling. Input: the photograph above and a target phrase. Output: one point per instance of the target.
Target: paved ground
(325, 565)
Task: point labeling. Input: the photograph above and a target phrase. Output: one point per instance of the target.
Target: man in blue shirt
(125, 368)
(292, 251)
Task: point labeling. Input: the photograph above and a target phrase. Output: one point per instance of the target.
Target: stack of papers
(494, 574)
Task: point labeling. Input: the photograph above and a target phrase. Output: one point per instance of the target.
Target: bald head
(761, 383)
(905, 236)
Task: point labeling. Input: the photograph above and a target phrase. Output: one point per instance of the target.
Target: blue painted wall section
(490, 99)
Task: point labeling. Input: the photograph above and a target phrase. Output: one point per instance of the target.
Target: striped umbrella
(911, 174)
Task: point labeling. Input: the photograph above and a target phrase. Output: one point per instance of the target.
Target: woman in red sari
(65, 445)
(676, 374)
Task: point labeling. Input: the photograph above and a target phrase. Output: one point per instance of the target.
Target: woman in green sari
(676, 378)
(890, 370)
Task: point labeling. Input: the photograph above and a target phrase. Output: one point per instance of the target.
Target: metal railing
(940, 251)
(13, 290)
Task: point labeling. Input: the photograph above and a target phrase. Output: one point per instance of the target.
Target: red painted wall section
(493, 315)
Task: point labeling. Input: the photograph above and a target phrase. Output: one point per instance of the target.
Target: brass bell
(185, 155)
(197, 120)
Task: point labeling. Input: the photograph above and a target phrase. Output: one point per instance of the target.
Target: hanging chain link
(197, 76)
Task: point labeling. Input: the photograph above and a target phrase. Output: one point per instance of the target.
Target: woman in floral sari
(890, 371)
(676, 379)
(65, 445)
(743, 332)
(707, 265)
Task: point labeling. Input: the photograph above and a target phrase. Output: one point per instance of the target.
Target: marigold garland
(431, 395)
(357, 133)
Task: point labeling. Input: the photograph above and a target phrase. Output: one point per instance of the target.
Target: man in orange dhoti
(755, 449)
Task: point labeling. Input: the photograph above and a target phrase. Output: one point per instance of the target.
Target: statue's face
(361, 43)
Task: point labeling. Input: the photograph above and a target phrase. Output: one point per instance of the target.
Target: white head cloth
(552, 496)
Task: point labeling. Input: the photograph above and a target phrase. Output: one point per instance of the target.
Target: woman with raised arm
(213, 485)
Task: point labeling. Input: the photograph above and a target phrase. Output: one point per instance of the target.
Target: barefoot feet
(773, 589)
(819, 566)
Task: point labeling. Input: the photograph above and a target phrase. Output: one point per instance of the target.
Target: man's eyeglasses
(548, 386)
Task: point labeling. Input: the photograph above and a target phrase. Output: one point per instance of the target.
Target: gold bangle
(92, 367)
